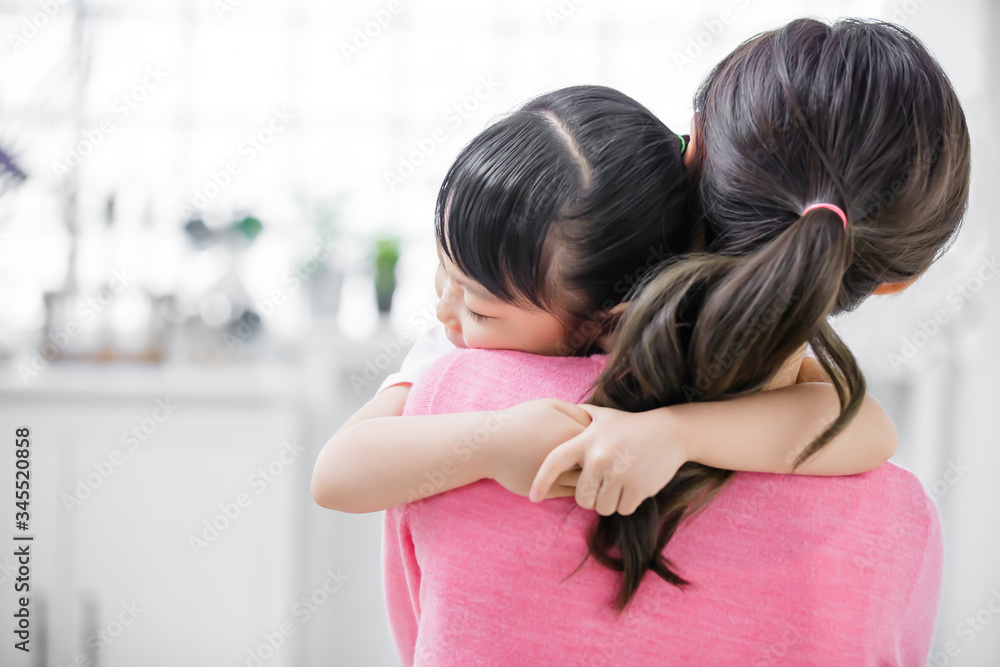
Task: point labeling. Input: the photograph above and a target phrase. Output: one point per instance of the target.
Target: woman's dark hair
(856, 114)
(571, 199)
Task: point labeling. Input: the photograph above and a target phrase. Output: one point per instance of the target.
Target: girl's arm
(767, 431)
(623, 458)
(379, 459)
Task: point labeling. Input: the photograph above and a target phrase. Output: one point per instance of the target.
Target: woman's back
(807, 570)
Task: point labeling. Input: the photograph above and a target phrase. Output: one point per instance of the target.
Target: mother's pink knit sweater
(784, 569)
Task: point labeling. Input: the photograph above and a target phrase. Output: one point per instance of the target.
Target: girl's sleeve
(917, 627)
(428, 347)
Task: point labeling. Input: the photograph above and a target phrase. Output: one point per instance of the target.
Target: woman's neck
(789, 372)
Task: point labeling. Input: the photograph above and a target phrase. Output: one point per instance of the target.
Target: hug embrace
(688, 471)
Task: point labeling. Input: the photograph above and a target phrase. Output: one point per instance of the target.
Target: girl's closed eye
(477, 316)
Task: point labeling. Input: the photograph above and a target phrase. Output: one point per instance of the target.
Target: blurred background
(216, 240)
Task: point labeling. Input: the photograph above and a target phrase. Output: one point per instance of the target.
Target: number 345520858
(22, 476)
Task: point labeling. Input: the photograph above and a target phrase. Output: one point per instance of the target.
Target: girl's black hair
(571, 199)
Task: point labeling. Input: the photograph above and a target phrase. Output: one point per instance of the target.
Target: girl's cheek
(480, 335)
(474, 335)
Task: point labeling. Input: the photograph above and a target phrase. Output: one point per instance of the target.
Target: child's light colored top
(430, 345)
(784, 569)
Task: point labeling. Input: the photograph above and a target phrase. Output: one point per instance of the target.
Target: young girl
(545, 222)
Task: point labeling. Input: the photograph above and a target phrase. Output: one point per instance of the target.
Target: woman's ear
(886, 289)
(692, 144)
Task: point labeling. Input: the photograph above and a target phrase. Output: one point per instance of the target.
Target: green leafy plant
(386, 257)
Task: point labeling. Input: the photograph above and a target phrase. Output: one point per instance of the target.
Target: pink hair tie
(836, 209)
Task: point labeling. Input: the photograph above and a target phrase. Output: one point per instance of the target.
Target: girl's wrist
(487, 457)
(675, 423)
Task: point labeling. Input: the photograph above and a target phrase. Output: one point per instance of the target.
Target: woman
(859, 119)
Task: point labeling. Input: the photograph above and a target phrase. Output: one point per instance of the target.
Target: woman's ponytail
(712, 327)
(786, 120)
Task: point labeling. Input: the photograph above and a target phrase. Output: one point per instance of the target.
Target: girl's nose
(446, 311)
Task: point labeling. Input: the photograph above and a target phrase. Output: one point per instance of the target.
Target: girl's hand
(619, 460)
(532, 431)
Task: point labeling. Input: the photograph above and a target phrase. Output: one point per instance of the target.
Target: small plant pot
(383, 296)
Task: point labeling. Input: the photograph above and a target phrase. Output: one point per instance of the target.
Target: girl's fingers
(560, 491)
(588, 486)
(568, 478)
(608, 497)
(629, 502)
(561, 459)
(574, 411)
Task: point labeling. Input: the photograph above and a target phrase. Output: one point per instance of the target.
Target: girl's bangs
(497, 204)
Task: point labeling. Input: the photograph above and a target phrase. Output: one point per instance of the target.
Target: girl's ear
(886, 289)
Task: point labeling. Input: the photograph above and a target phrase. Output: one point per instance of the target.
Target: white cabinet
(282, 563)
(181, 543)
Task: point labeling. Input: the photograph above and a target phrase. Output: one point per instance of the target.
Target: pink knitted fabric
(789, 570)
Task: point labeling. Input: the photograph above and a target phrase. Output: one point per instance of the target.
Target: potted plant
(386, 257)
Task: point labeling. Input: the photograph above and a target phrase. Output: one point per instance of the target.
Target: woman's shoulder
(884, 517)
(476, 378)
(882, 494)
(513, 359)
(896, 488)
(474, 362)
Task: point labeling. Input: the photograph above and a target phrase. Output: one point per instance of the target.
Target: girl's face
(475, 318)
